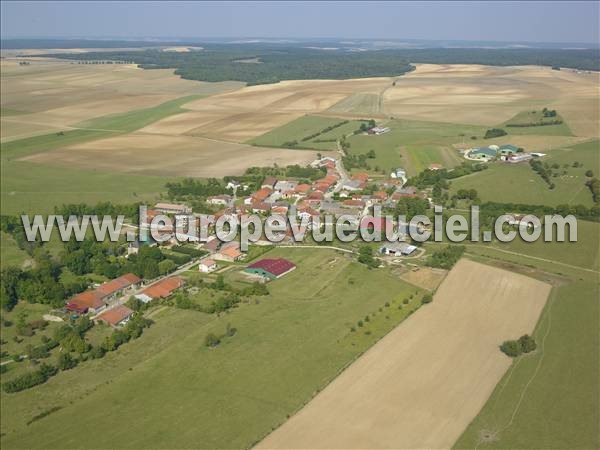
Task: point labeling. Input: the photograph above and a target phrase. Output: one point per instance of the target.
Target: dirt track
(422, 384)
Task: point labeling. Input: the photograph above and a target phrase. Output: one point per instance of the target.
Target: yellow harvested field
(57, 94)
(421, 385)
(169, 155)
(252, 111)
(220, 124)
(488, 95)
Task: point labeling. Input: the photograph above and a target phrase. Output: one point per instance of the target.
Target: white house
(219, 200)
(207, 265)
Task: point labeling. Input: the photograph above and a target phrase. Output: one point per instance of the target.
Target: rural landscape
(141, 343)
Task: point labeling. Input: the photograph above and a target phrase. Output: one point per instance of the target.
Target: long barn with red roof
(271, 268)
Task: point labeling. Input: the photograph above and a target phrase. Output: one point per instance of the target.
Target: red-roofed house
(119, 315)
(361, 176)
(261, 195)
(269, 182)
(303, 189)
(162, 289)
(230, 254)
(271, 268)
(87, 301)
(316, 195)
(321, 186)
(207, 265)
(353, 203)
(260, 207)
(114, 288)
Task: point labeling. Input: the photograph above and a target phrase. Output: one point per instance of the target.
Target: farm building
(171, 208)
(482, 153)
(435, 166)
(87, 301)
(119, 315)
(207, 265)
(162, 289)
(118, 286)
(94, 301)
(271, 268)
(379, 130)
(508, 149)
(397, 249)
(519, 157)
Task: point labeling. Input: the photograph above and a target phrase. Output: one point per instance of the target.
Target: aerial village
(336, 193)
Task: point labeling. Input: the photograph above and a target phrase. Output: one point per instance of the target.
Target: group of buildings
(103, 302)
(507, 153)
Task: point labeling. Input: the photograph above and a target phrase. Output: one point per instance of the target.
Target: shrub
(405, 301)
(30, 379)
(427, 298)
(527, 343)
(360, 323)
(230, 331)
(66, 361)
(511, 348)
(211, 340)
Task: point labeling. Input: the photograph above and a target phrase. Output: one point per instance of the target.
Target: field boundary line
(533, 257)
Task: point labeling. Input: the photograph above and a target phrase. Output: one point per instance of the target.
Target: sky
(538, 21)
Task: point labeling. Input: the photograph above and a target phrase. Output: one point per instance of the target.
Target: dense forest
(260, 64)
(230, 63)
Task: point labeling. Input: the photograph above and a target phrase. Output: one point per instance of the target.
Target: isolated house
(207, 265)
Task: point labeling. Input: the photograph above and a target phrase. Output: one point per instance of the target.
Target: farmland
(414, 145)
(422, 366)
(302, 129)
(559, 379)
(519, 183)
(309, 314)
(95, 133)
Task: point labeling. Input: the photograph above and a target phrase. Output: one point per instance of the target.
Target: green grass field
(518, 183)
(306, 126)
(37, 188)
(414, 145)
(288, 345)
(549, 399)
(526, 117)
(11, 254)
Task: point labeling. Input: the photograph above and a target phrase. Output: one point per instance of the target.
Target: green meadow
(304, 127)
(518, 183)
(549, 399)
(287, 347)
(536, 117)
(414, 145)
